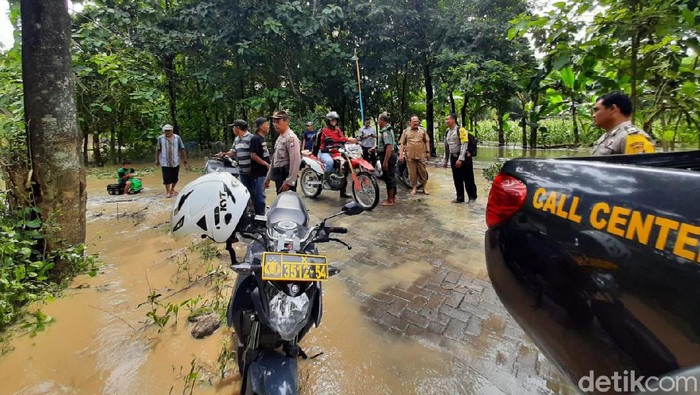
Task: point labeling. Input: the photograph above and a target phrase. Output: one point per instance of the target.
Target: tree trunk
(402, 116)
(96, 152)
(573, 119)
(51, 118)
(523, 127)
(86, 137)
(453, 105)
(634, 62)
(534, 124)
(429, 105)
(170, 76)
(501, 133)
(113, 145)
(463, 112)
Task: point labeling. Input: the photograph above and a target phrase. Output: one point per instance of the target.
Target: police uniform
(457, 145)
(624, 139)
(386, 137)
(286, 160)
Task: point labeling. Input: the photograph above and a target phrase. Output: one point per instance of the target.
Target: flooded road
(411, 312)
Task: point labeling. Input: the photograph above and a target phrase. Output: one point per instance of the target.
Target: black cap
(240, 124)
(260, 121)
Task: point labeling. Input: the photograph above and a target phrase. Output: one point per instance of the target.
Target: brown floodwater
(103, 342)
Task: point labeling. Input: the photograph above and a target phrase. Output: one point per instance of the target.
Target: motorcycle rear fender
(313, 163)
(272, 373)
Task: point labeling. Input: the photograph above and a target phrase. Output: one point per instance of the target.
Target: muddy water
(101, 341)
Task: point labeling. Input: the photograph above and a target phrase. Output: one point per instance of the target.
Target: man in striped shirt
(240, 150)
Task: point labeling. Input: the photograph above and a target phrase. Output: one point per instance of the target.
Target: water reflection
(491, 154)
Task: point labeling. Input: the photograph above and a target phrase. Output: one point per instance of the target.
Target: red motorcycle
(347, 161)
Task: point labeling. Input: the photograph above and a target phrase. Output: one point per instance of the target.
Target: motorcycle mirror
(352, 208)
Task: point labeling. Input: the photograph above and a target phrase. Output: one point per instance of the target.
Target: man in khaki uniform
(612, 112)
(415, 147)
(286, 158)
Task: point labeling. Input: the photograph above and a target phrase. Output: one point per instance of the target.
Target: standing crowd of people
(259, 167)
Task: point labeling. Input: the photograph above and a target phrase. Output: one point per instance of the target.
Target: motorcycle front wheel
(368, 194)
(310, 183)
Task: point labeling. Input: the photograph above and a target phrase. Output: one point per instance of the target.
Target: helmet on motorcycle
(211, 205)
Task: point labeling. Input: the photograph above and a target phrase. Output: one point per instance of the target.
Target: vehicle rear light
(505, 199)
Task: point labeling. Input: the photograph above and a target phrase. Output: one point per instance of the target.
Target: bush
(492, 171)
(25, 265)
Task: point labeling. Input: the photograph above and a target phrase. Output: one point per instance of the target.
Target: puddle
(402, 275)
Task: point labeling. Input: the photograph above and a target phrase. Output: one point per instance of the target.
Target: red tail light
(505, 199)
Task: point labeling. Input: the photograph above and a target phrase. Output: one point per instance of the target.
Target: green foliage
(649, 49)
(25, 266)
(160, 312)
(492, 171)
(13, 144)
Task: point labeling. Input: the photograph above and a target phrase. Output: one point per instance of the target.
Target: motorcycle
(117, 189)
(277, 296)
(402, 175)
(222, 164)
(401, 172)
(347, 160)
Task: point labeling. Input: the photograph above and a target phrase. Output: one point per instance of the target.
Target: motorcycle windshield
(287, 222)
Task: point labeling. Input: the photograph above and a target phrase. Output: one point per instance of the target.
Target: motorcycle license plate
(278, 266)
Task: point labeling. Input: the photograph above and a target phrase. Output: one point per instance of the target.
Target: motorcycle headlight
(288, 314)
(286, 234)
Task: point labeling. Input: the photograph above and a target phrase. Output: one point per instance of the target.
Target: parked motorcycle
(222, 164)
(277, 296)
(401, 173)
(347, 161)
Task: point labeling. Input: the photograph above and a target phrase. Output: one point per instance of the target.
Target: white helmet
(332, 115)
(211, 205)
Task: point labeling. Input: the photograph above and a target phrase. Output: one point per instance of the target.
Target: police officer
(286, 158)
(612, 112)
(460, 146)
(385, 150)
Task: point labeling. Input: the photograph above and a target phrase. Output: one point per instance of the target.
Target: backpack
(471, 141)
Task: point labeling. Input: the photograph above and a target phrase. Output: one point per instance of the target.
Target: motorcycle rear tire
(367, 205)
(308, 175)
(406, 179)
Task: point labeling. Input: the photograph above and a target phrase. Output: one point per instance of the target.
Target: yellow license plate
(278, 266)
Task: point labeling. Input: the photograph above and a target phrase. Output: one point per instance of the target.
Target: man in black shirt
(260, 164)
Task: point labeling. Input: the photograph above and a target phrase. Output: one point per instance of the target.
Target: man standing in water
(387, 155)
(169, 150)
(415, 149)
(460, 147)
(286, 158)
(260, 164)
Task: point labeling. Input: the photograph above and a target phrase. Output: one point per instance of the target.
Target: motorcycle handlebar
(336, 229)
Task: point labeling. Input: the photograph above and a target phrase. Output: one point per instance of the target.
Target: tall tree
(58, 176)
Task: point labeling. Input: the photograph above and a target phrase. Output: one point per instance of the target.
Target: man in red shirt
(331, 135)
